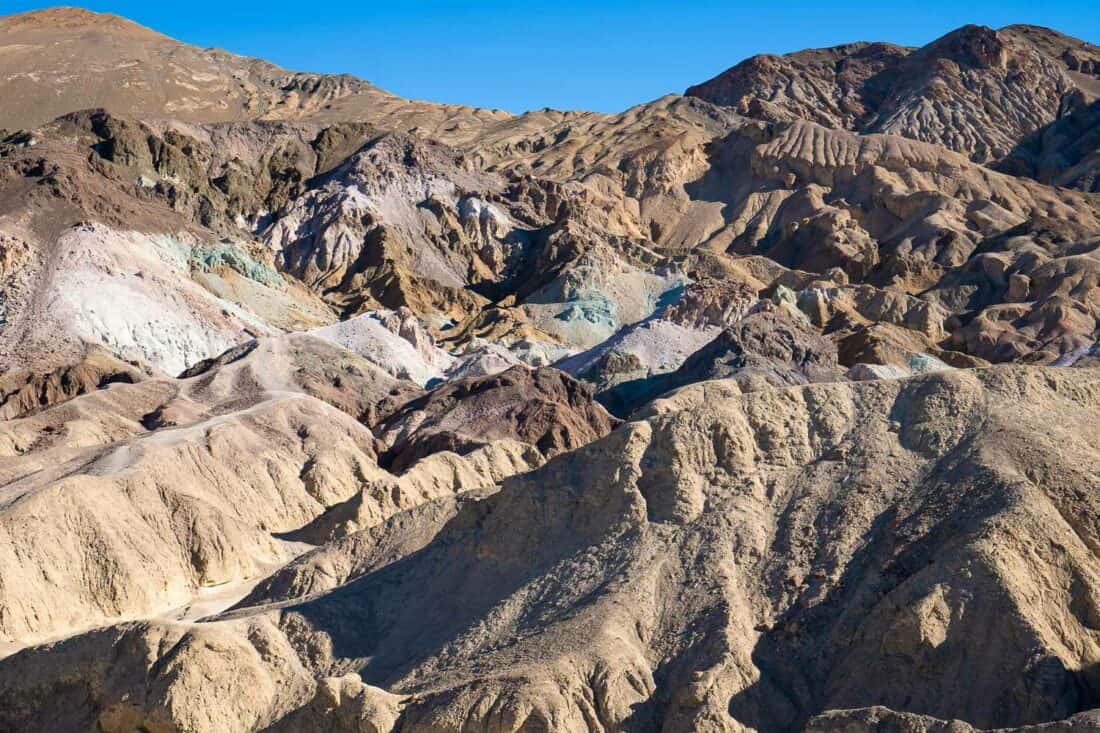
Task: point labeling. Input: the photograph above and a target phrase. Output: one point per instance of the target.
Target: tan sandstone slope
(211, 480)
(728, 562)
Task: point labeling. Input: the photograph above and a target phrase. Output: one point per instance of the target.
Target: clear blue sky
(602, 56)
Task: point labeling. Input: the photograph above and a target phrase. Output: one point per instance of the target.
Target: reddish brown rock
(543, 407)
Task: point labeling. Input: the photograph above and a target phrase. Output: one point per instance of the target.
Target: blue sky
(603, 56)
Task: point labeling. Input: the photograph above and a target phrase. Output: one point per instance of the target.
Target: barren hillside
(769, 407)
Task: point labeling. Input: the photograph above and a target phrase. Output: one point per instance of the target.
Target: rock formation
(727, 561)
(766, 407)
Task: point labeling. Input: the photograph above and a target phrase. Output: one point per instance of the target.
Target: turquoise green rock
(226, 255)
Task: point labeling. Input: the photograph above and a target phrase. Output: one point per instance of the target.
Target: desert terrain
(769, 406)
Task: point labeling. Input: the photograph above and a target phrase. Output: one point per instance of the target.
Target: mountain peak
(65, 17)
(1023, 72)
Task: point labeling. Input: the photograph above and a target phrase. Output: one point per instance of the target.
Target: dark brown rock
(544, 407)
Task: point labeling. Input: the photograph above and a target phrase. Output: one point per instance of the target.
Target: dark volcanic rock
(544, 407)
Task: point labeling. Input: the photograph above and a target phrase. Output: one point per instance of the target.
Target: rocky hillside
(766, 407)
(976, 91)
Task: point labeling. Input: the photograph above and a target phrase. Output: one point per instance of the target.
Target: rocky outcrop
(542, 407)
(839, 87)
(24, 392)
(773, 347)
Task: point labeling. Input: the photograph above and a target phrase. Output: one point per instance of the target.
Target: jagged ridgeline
(767, 407)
